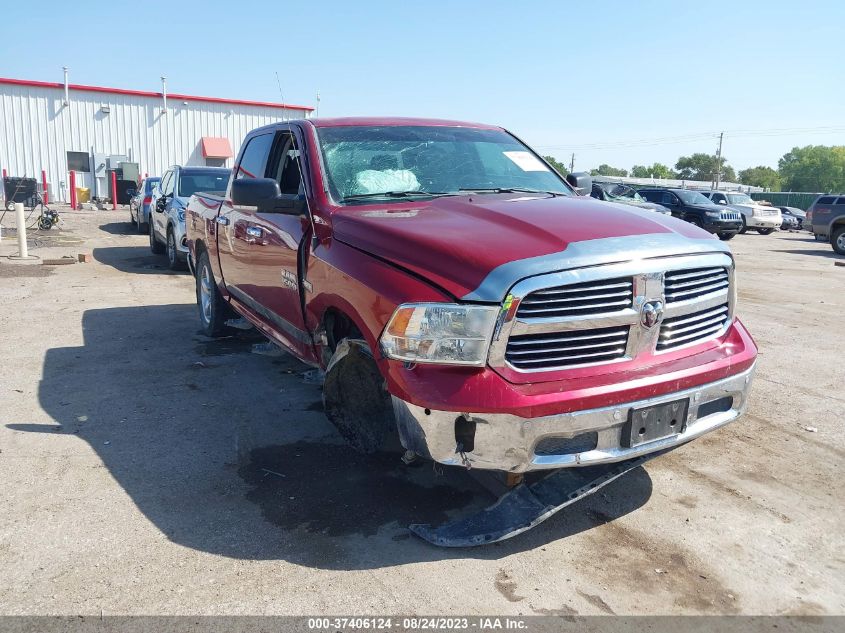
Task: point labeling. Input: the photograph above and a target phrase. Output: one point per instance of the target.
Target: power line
(667, 140)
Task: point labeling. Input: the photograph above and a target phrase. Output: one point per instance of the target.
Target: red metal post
(114, 191)
(72, 189)
(4, 172)
(46, 195)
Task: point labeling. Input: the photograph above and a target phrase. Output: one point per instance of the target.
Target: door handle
(222, 220)
(254, 231)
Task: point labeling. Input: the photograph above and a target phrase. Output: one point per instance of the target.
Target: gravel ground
(149, 470)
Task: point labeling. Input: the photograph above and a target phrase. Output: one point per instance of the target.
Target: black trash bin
(23, 190)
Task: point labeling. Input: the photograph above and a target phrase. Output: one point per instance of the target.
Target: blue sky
(601, 79)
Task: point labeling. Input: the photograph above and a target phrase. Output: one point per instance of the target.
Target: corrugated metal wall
(37, 129)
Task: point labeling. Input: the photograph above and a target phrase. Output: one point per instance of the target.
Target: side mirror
(582, 182)
(265, 196)
(160, 204)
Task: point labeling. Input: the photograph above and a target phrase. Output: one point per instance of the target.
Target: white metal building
(51, 128)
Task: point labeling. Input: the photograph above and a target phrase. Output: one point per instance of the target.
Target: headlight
(713, 214)
(445, 333)
(181, 215)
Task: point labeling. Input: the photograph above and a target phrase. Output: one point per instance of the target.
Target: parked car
(762, 218)
(168, 201)
(139, 203)
(459, 295)
(618, 192)
(827, 215)
(793, 218)
(697, 209)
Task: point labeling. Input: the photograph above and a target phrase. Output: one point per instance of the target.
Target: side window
(667, 198)
(718, 197)
(284, 165)
(840, 200)
(826, 200)
(254, 160)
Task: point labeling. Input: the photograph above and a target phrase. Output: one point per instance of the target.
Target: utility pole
(719, 161)
(572, 163)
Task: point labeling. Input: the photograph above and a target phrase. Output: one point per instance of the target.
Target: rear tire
(765, 231)
(155, 246)
(213, 309)
(744, 225)
(139, 225)
(726, 236)
(837, 240)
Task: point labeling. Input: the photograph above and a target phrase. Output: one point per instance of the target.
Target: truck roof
(385, 121)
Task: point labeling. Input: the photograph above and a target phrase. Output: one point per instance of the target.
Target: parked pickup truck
(462, 299)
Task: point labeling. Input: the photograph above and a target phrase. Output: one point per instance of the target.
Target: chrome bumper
(508, 442)
(762, 222)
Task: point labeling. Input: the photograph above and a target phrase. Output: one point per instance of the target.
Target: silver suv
(167, 207)
(828, 220)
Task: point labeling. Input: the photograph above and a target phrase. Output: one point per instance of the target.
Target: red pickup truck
(462, 298)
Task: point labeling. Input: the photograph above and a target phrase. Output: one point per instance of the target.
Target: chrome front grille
(591, 297)
(683, 285)
(613, 313)
(692, 328)
(731, 215)
(567, 348)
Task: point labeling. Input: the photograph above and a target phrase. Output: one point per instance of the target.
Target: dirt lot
(148, 470)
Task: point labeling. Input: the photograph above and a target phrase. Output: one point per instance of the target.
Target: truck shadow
(228, 452)
(134, 259)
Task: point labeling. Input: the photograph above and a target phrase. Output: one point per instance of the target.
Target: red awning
(216, 147)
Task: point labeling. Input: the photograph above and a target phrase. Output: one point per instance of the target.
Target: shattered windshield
(623, 191)
(399, 162)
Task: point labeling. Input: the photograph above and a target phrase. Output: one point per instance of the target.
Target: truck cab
(461, 298)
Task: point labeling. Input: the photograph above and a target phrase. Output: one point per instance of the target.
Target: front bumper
(762, 222)
(722, 226)
(509, 442)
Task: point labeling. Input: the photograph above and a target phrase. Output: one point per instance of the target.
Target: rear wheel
(213, 309)
(726, 236)
(744, 225)
(837, 240)
(155, 246)
(140, 223)
(765, 231)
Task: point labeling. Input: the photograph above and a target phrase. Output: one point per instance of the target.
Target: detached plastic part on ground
(527, 505)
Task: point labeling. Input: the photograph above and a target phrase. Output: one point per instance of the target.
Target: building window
(78, 161)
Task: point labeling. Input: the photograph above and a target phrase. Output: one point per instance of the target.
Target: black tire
(818, 238)
(744, 225)
(765, 231)
(44, 223)
(356, 400)
(726, 236)
(837, 240)
(139, 225)
(173, 261)
(215, 312)
(155, 246)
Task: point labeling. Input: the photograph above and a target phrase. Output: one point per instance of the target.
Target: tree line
(816, 168)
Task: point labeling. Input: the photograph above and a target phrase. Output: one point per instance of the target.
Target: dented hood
(457, 241)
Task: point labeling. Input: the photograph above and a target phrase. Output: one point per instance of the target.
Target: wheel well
(339, 326)
(199, 248)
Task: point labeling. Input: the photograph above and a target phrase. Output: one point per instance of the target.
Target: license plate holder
(656, 422)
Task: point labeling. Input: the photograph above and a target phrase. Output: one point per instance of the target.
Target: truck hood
(458, 242)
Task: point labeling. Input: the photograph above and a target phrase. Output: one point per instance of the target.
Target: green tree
(760, 176)
(813, 168)
(607, 170)
(702, 166)
(560, 167)
(657, 170)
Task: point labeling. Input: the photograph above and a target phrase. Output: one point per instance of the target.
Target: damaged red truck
(461, 295)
